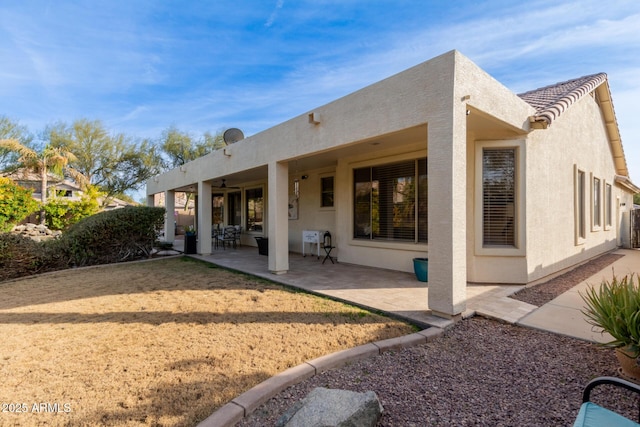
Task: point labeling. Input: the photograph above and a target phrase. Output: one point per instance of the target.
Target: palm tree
(49, 159)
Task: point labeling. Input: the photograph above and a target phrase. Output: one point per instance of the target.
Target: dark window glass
(326, 191)
(391, 202)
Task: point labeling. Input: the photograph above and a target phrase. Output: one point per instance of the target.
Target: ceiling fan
(224, 186)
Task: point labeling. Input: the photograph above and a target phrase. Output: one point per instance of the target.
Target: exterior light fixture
(314, 118)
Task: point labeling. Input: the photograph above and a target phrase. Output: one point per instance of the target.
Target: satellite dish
(232, 135)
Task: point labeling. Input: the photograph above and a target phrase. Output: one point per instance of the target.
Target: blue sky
(142, 66)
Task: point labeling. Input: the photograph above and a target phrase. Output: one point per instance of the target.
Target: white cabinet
(312, 237)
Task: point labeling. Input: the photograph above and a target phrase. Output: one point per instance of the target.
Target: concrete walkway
(562, 315)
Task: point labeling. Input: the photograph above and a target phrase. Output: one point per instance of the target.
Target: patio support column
(447, 166)
(169, 218)
(204, 218)
(278, 217)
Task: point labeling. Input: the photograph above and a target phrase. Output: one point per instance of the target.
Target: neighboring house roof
(28, 178)
(114, 203)
(32, 180)
(551, 101)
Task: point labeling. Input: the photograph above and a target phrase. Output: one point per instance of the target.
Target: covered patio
(396, 293)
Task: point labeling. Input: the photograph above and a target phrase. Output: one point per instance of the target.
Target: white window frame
(580, 205)
(321, 177)
(596, 203)
(608, 205)
(375, 161)
(416, 223)
(244, 201)
(519, 248)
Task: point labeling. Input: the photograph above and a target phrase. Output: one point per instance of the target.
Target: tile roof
(551, 101)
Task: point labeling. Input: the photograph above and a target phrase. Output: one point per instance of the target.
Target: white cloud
(274, 14)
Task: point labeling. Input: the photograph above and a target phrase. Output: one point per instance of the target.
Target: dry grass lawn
(164, 342)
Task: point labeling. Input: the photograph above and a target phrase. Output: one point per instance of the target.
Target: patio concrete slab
(394, 292)
(399, 294)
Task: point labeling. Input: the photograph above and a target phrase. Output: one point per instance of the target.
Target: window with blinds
(582, 216)
(608, 202)
(498, 196)
(597, 203)
(390, 202)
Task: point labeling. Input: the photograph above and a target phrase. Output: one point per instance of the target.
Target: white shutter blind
(498, 196)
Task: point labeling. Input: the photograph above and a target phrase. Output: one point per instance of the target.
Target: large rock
(36, 232)
(333, 408)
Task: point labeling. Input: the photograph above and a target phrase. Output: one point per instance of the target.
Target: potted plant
(615, 307)
(190, 240)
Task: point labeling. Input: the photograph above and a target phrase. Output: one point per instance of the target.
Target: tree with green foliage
(49, 159)
(10, 129)
(636, 199)
(16, 203)
(114, 163)
(181, 147)
(139, 162)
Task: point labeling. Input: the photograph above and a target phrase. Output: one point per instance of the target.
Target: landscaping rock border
(37, 232)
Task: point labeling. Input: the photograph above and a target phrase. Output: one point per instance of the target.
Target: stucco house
(59, 187)
(33, 181)
(440, 160)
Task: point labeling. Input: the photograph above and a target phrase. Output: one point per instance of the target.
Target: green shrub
(60, 214)
(16, 203)
(112, 236)
(615, 307)
(21, 256)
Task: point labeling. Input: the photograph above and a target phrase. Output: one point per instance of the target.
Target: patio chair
(327, 246)
(228, 236)
(238, 234)
(217, 234)
(592, 414)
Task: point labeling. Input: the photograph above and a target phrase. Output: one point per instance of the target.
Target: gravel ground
(480, 372)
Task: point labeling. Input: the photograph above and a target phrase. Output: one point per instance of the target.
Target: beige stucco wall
(499, 115)
(577, 139)
(311, 216)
